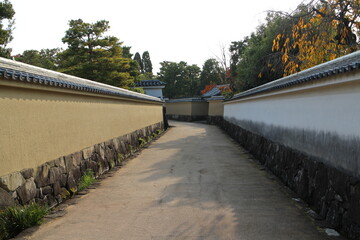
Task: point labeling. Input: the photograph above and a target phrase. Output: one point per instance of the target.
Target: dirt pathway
(192, 183)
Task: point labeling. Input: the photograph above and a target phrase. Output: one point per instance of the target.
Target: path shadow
(217, 182)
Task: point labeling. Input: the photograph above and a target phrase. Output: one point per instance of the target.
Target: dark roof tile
(337, 66)
(18, 71)
(150, 83)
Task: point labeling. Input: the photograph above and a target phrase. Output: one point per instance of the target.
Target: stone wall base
(330, 192)
(56, 180)
(185, 118)
(214, 120)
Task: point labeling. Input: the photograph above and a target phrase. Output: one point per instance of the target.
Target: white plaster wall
(155, 92)
(334, 108)
(320, 118)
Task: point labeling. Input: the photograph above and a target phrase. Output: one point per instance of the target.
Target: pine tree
(137, 58)
(147, 62)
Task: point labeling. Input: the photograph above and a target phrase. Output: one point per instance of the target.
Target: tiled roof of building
(150, 83)
(185, 100)
(20, 72)
(337, 66)
(212, 92)
(215, 91)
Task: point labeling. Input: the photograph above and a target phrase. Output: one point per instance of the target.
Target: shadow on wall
(331, 192)
(332, 149)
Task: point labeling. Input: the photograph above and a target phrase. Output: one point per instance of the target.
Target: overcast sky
(171, 30)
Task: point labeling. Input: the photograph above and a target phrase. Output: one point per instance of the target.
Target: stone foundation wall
(185, 118)
(56, 180)
(330, 192)
(214, 120)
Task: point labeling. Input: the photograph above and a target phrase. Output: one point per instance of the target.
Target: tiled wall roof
(150, 83)
(340, 65)
(20, 72)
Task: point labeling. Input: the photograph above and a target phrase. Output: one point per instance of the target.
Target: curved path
(192, 183)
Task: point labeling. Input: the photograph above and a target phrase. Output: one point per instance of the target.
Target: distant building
(152, 87)
(216, 90)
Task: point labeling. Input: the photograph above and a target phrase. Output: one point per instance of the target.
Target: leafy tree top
(6, 13)
(94, 56)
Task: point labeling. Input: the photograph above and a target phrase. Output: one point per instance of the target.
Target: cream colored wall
(199, 108)
(216, 108)
(38, 126)
(178, 108)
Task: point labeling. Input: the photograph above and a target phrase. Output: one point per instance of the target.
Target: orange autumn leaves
(223, 88)
(324, 36)
(208, 88)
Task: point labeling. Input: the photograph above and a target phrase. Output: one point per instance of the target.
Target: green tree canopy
(6, 27)
(182, 80)
(45, 58)
(211, 73)
(252, 60)
(126, 52)
(92, 55)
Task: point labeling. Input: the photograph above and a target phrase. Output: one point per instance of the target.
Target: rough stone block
(88, 152)
(57, 188)
(68, 163)
(116, 144)
(42, 175)
(109, 144)
(27, 191)
(51, 201)
(60, 162)
(109, 154)
(94, 166)
(27, 173)
(12, 181)
(5, 199)
(55, 174)
(73, 179)
(123, 148)
(14, 195)
(63, 180)
(100, 149)
(39, 194)
(83, 166)
(46, 190)
(77, 157)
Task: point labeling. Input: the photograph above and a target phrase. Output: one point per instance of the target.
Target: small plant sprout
(142, 142)
(86, 180)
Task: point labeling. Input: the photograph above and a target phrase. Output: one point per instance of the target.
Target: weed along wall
(54, 127)
(306, 129)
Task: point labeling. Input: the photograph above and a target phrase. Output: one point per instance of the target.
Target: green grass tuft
(142, 142)
(15, 219)
(86, 180)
